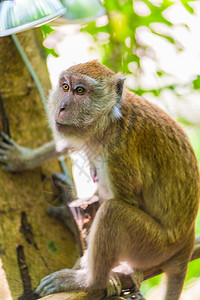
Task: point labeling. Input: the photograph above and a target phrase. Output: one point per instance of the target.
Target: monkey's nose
(62, 107)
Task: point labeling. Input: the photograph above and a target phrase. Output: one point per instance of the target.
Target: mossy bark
(32, 244)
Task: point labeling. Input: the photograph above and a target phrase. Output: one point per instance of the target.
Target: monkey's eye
(65, 86)
(80, 90)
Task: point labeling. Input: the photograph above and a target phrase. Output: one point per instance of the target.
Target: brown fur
(92, 69)
(148, 180)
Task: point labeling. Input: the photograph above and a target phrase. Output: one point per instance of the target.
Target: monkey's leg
(176, 269)
(174, 285)
(121, 231)
(105, 260)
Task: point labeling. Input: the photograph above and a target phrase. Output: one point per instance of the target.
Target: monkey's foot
(61, 281)
(115, 287)
(129, 295)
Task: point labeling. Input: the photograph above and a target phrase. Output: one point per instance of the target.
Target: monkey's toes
(52, 283)
(114, 287)
(7, 139)
(47, 286)
(60, 281)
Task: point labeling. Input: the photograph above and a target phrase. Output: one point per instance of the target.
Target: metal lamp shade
(20, 15)
(80, 11)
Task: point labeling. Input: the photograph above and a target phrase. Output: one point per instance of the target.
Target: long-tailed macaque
(147, 173)
(148, 180)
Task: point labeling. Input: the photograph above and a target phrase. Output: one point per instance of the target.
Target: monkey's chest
(105, 191)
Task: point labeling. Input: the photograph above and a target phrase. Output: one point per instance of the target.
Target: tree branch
(126, 281)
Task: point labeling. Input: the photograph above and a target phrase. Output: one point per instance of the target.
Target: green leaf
(187, 6)
(184, 121)
(46, 30)
(196, 83)
(172, 87)
(167, 37)
(166, 3)
(51, 51)
(139, 92)
(159, 73)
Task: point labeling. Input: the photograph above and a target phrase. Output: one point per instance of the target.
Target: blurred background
(156, 45)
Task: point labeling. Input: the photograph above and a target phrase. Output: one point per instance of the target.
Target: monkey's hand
(62, 281)
(12, 156)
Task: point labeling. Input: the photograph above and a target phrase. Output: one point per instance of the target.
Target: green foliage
(46, 30)
(194, 134)
(119, 40)
(184, 121)
(148, 284)
(196, 83)
(194, 266)
(121, 44)
(51, 51)
(187, 6)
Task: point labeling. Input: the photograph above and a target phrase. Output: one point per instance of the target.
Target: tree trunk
(32, 244)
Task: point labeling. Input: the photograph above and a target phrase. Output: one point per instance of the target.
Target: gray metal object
(20, 15)
(80, 11)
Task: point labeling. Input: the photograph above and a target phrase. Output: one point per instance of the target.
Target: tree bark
(32, 244)
(126, 282)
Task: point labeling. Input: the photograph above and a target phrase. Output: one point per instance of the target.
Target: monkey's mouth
(62, 124)
(63, 127)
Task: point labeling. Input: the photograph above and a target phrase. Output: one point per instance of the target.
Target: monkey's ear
(119, 87)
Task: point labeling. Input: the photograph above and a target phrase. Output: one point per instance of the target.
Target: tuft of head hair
(92, 69)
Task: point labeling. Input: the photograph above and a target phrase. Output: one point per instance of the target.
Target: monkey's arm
(16, 158)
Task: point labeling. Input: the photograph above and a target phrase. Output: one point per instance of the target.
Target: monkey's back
(160, 171)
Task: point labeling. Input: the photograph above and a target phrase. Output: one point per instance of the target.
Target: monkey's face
(80, 103)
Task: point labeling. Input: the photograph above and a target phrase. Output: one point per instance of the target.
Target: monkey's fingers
(3, 152)
(8, 167)
(7, 139)
(3, 159)
(5, 146)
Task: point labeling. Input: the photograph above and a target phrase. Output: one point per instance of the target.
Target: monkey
(148, 180)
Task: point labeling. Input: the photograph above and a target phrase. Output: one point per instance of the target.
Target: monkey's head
(86, 99)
